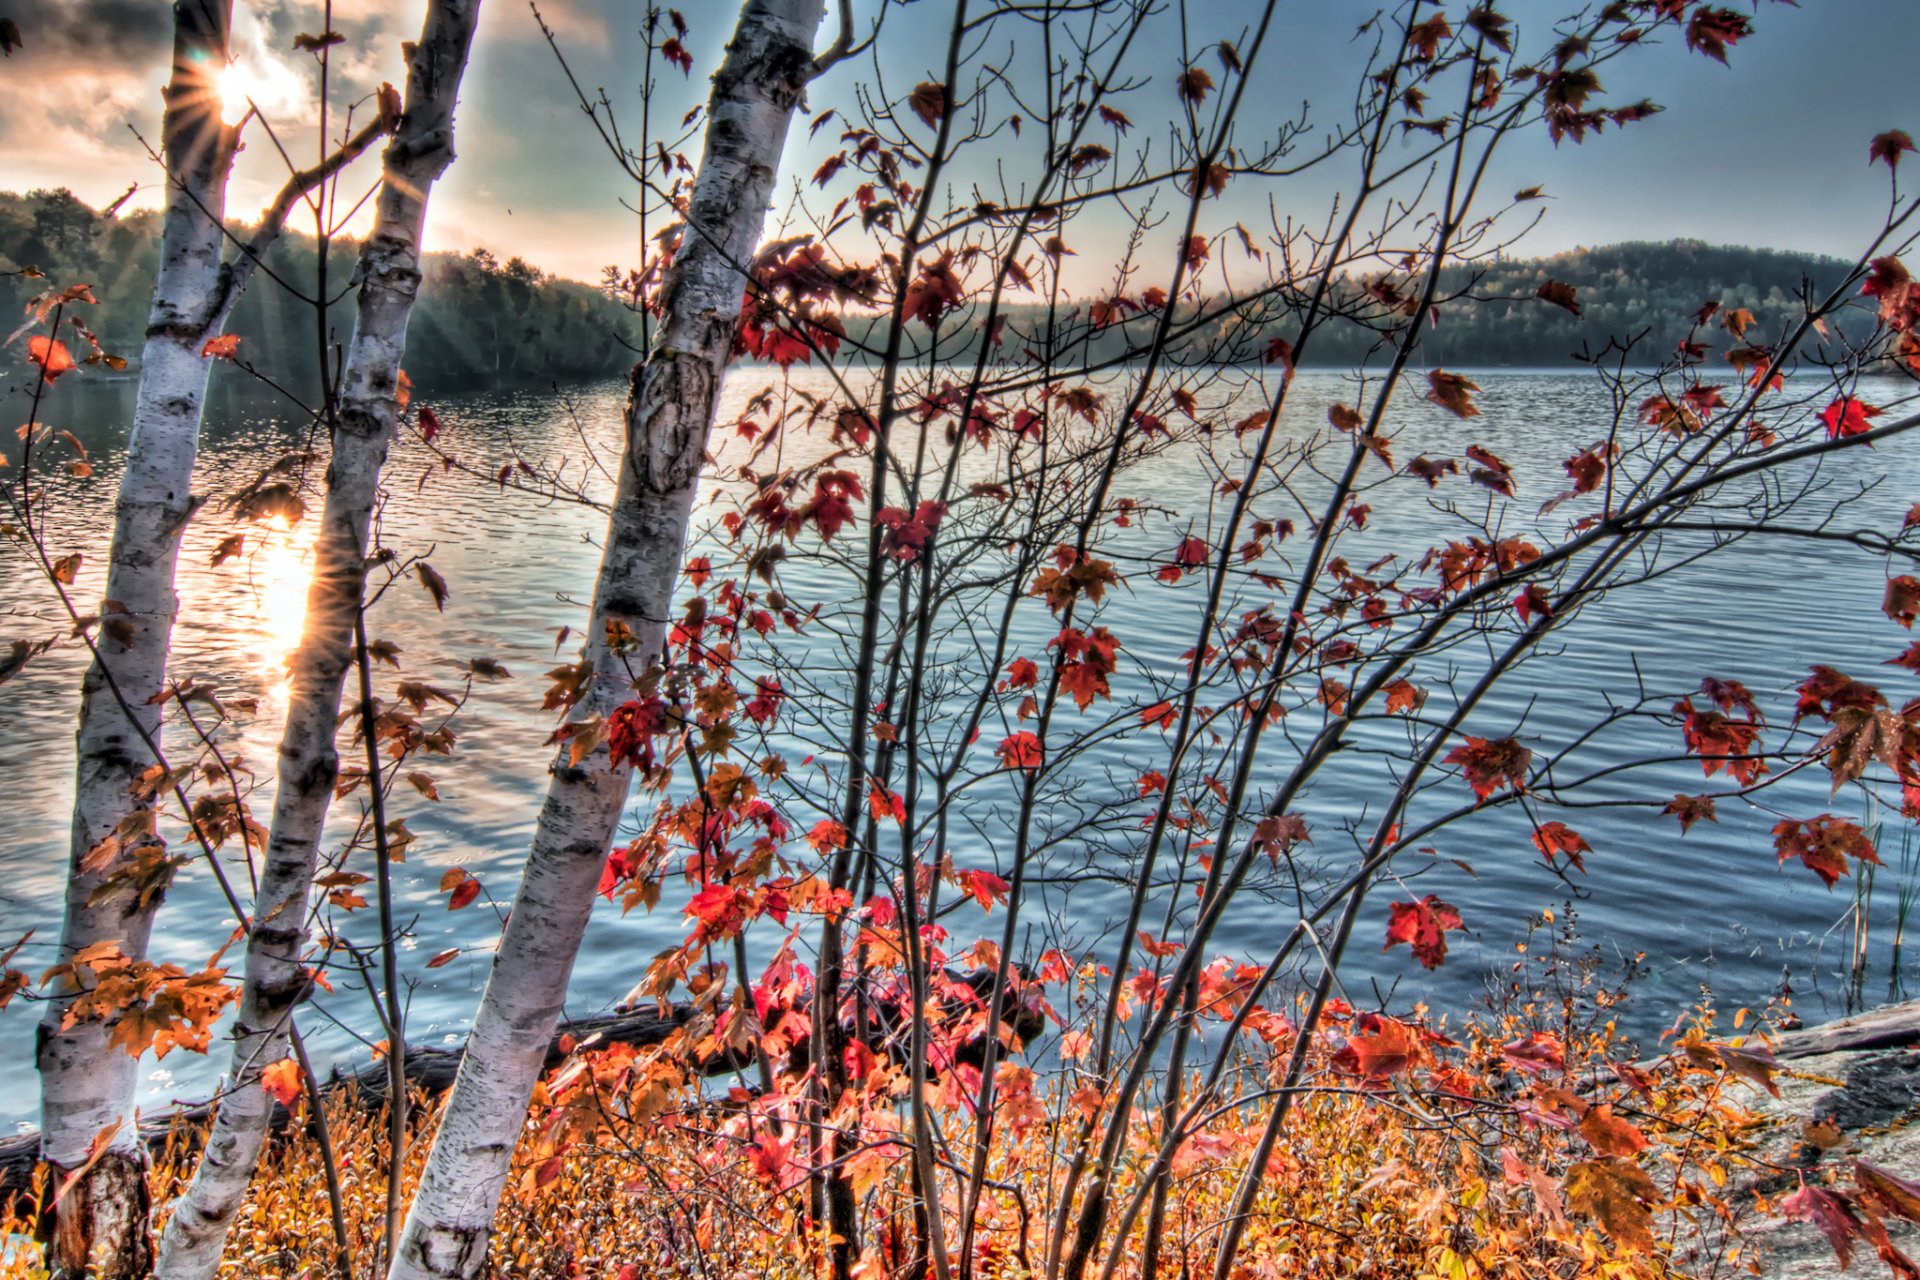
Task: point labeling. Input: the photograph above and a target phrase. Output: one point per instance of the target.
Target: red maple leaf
(1888, 146)
(1847, 417)
(631, 729)
(1690, 809)
(1721, 742)
(984, 887)
(1423, 925)
(1492, 763)
(1833, 1213)
(935, 291)
(460, 887)
(906, 537)
(1021, 751)
(1712, 30)
(1533, 600)
(719, 910)
(1453, 392)
(1431, 471)
(1558, 839)
(1022, 673)
(1380, 1047)
(1824, 844)
(1560, 294)
(1538, 1053)
(1902, 602)
(1194, 84)
(827, 836)
(764, 706)
(929, 102)
(1587, 469)
(1890, 284)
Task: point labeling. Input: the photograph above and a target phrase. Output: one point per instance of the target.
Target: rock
(1872, 1097)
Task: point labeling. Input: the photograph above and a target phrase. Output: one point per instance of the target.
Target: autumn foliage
(983, 736)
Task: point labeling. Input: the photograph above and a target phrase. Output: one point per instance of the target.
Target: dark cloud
(112, 34)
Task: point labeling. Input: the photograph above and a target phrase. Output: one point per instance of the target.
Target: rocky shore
(1849, 1090)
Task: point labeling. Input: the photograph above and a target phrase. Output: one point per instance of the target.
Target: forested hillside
(478, 321)
(1646, 292)
(1622, 290)
(482, 321)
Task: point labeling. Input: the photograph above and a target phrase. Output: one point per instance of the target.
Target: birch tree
(361, 423)
(669, 413)
(86, 1087)
(118, 871)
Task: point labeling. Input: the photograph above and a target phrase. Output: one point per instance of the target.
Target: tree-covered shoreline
(483, 322)
(480, 321)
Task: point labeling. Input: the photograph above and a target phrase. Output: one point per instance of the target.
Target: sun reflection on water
(282, 571)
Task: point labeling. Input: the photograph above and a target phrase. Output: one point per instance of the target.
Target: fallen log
(429, 1070)
(1892, 1026)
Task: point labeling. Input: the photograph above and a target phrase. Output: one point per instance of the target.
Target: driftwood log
(1892, 1026)
(430, 1070)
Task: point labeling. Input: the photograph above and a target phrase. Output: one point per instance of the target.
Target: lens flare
(258, 79)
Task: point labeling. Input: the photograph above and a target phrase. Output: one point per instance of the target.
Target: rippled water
(1710, 909)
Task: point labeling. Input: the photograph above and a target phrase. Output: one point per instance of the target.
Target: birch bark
(362, 431)
(670, 408)
(100, 1226)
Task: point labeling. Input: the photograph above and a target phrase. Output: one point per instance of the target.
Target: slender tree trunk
(670, 410)
(100, 1226)
(362, 430)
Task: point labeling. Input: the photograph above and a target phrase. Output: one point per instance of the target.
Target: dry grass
(1459, 1166)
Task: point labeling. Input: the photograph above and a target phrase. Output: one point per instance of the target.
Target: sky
(1770, 152)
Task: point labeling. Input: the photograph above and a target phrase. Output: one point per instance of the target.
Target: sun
(257, 80)
(236, 87)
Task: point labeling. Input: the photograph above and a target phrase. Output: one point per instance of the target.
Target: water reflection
(281, 572)
(518, 570)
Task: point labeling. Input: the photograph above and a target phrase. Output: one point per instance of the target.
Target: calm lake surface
(1712, 912)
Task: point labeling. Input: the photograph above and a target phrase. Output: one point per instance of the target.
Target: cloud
(106, 34)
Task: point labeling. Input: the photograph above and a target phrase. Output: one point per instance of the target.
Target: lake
(1711, 911)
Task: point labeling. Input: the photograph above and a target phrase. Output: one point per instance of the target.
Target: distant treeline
(479, 322)
(1623, 290)
(1644, 291)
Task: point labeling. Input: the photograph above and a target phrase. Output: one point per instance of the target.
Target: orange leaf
(51, 355)
(1609, 1134)
(1620, 1195)
(282, 1080)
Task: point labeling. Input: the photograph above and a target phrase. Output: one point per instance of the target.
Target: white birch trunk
(421, 149)
(669, 413)
(101, 1225)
